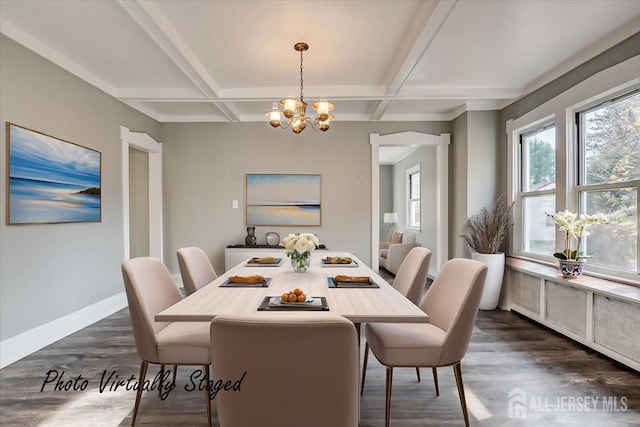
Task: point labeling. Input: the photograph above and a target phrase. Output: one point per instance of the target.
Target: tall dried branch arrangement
(487, 230)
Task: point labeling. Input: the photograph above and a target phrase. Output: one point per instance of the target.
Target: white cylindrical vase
(493, 284)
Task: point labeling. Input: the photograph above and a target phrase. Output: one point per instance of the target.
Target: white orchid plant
(575, 228)
(300, 243)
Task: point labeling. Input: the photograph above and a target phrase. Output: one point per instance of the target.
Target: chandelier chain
(301, 80)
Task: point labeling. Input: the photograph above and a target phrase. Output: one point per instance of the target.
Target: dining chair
(410, 282)
(195, 268)
(452, 303)
(151, 289)
(295, 369)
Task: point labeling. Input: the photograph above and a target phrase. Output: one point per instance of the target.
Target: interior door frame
(441, 142)
(143, 142)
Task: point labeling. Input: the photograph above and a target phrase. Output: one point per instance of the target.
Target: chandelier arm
(285, 124)
(312, 123)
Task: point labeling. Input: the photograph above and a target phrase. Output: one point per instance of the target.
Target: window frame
(614, 81)
(579, 186)
(519, 238)
(409, 173)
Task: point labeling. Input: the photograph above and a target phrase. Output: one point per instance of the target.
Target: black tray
(264, 305)
(228, 284)
(333, 284)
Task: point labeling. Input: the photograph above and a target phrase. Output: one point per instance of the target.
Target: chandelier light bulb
(289, 107)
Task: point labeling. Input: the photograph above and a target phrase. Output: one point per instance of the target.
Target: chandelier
(294, 110)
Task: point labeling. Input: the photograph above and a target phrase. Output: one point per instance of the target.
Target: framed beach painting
(50, 180)
(283, 199)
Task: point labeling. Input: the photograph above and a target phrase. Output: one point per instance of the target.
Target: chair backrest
(195, 269)
(150, 289)
(452, 303)
(301, 370)
(411, 278)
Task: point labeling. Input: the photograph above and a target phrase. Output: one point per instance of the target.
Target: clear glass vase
(300, 262)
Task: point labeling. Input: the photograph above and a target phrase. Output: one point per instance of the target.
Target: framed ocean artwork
(284, 199)
(51, 180)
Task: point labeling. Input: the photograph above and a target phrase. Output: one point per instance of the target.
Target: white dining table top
(384, 304)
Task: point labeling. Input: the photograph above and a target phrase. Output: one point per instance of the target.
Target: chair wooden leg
(160, 385)
(364, 366)
(418, 373)
(435, 381)
(207, 394)
(143, 372)
(387, 409)
(458, 373)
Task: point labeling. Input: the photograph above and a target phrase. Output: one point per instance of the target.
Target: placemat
(228, 284)
(318, 304)
(259, 264)
(333, 284)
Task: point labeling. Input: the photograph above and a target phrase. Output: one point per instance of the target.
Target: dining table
(377, 301)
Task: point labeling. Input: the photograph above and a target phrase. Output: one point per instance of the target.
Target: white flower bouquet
(298, 247)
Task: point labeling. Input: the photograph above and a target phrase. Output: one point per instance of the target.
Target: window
(537, 166)
(413, 197)
(608, 176)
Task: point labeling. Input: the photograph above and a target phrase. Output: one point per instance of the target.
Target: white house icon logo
(517, 403)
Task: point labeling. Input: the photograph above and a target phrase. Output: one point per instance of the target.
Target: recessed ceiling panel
(250, 43)
(100, 37)
(508, 44)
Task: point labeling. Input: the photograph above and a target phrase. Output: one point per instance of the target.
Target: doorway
(151, 151)
(440, 143)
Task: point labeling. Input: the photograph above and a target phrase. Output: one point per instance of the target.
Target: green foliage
(542, 162)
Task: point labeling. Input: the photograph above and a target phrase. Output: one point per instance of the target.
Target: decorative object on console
(50, 180)
(272, 238)
(283, 199)
(572, 261)
(298, 247)
(295, 110)
(486, 232)
(251, 240)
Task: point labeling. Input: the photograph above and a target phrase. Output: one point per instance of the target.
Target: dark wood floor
(555, 382)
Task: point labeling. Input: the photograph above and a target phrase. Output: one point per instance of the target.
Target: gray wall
(48, 271)
(475, 164)
(205, 166)
(426, 158)
(386, 198)
(138, 203)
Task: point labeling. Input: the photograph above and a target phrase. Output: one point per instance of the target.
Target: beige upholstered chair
(297, 369)
(150, 289)
(410, 282)
(452, 304)
(195, 269)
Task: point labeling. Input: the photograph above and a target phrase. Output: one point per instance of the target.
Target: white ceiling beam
(407, 59)
(153, 22)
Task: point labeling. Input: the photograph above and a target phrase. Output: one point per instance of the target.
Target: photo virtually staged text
(111, 381)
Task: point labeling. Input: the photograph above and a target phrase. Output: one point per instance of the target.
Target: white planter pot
(493, 284)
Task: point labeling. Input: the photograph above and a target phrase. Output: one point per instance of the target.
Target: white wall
(52, 270)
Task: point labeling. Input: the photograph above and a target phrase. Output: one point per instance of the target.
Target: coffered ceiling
(220, 61)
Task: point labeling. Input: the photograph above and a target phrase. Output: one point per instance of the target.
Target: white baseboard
(22, 345)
